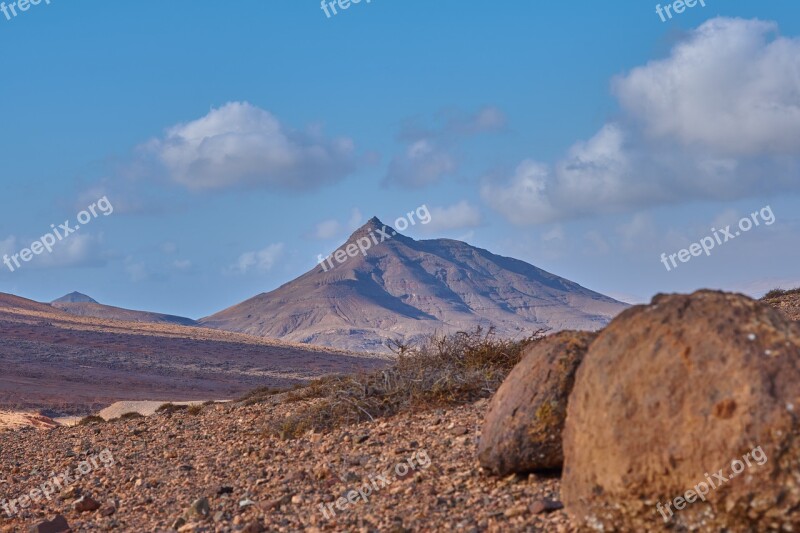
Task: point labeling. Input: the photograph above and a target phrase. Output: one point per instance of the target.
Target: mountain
(79, 304)
(404, 288)
(75, 297)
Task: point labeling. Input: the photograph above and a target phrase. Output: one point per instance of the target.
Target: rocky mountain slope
(401, 288)
(79, 304)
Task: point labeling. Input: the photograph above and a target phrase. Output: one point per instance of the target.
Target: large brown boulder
(674, 394)
(522, 429)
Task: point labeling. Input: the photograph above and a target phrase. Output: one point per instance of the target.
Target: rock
(200, 509)
(85, 504)
(107, 510)
(458, 431)
(70, 493)
(224, 489)
(178, 523)
(669, 394)
(545, 506)
(247, 502)
(523, 426)
(253, 527)
(518, 510)
(56, 525)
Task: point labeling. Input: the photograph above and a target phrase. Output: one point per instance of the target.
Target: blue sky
(237, 142)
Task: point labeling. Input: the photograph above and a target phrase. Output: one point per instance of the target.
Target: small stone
(85, 503)
(178, 523)
(546, 506)
(253, 527)
(224, 490)
(297, 498)
(459, 430)
(515, 511)
(199, 509)
(247, 502)
(56, 525)
(108, 509)
(70, 494)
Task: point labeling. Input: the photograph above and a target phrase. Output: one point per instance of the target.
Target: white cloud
(639, 231)
(718, 120)
(423, 163)
(554, 234)
(430, 152)
(169, 247)
(239, 144)
(182, 264)
(327, 229)
(330, 228)
(137, 270)
(458, 216)
(731, 87)
(77, 250)
(524, 198)
(356, 219)
(260, 261)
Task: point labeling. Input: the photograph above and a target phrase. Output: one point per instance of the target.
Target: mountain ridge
(403, 288)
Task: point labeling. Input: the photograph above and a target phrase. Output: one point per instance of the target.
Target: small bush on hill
(91, 419)
(259, 395)
(170, 408)
(776, 293)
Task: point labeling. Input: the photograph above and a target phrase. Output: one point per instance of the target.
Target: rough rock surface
(522, 430)
(669, 394)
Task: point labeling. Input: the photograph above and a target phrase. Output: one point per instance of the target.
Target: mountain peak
(373, 225)
(75, 297)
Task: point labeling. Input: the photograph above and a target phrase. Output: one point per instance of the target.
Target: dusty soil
(251, 479)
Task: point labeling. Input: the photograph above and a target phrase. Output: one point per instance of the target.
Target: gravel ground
(222, 470)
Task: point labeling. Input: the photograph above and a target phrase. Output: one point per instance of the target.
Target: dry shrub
(445, 370)
(170, 408)
(259, 395)
(777, 293)
(91, 419)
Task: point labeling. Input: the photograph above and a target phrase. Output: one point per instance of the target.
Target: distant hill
(61, 364)
(75, 297)
(407, 289)
(79, 304)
